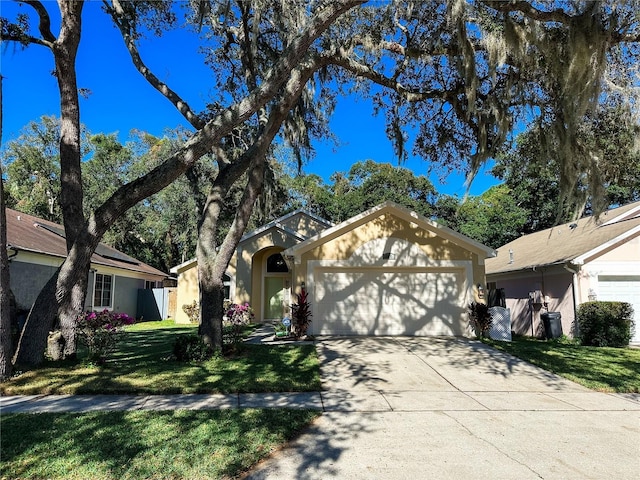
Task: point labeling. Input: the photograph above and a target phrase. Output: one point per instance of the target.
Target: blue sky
(121, 100)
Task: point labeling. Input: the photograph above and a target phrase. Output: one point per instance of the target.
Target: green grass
(143, 365)
(143, 445)
(598, 368)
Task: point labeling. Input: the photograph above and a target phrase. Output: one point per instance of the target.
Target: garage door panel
(378, 302)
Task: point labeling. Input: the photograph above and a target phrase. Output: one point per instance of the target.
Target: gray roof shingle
(565, 243)
(33, 234)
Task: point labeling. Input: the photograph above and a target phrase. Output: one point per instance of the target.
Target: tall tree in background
(364, 186)
(32, 165)
(532, 170)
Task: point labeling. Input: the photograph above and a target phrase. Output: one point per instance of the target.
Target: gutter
(14, 254)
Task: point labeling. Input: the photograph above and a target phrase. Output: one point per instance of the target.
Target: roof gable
(289, 225)
(399, 211)
(574, 242)
(36, 235)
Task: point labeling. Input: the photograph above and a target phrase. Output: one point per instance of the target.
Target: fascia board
(182, 265)
(625, 216)
(628, 235)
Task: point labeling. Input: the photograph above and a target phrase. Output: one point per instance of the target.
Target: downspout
(575, 288)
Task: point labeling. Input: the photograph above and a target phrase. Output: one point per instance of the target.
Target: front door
(276, 297)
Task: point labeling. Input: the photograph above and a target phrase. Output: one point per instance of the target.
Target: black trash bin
(552, 324)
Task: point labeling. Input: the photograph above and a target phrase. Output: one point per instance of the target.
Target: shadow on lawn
(143, 364)
(179, 444)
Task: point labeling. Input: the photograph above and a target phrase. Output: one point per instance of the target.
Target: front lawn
(143, 445)
(143, 365)
(598, 368)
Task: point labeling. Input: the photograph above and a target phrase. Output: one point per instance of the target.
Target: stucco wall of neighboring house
(555, 285)
(30, 272)
(125, 296)
(187, 290)
(624, 260)
(27, 279)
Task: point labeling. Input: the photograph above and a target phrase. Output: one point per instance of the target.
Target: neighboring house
(118, 282)
(387, 271)
(557, 269)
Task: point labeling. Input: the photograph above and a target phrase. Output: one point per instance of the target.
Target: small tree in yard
(301, 314)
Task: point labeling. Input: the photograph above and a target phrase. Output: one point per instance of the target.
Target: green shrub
(479, 318)
(605, 324)
(191, 348)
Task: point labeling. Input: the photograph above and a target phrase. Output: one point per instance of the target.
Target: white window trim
(113, 289)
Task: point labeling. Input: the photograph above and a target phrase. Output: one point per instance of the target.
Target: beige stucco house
(387, 271)
(257, 272)
(557, 269)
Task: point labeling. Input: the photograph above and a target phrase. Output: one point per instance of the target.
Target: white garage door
(369, 301)
(622, 289)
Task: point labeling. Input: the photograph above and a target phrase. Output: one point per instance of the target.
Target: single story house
(387, 271)
(557, 269)
(118, 282)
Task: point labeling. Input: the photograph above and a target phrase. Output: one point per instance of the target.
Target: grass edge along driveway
(602, 369)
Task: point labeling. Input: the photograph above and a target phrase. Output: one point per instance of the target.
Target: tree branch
(221, 125)
(45, 21)
(529, 11)
(118, 16)
(341, 59)
(26, 39)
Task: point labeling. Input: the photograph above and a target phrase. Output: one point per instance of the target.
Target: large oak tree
(460, 73)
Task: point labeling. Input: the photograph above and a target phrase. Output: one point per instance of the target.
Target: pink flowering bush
(236, 318)
(101, 331)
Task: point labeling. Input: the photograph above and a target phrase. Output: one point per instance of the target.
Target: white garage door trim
(460, 268)
(622, 288)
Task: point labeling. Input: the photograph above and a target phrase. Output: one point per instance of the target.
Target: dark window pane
(276, 264)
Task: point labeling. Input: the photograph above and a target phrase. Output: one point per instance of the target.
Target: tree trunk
(40, 321)
(71, 195)
(65, 50)
(5, 296)
(71, 291)
(212, 265)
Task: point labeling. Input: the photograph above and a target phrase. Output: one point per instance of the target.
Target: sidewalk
(92, 403)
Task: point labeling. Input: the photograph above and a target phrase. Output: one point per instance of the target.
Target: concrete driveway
(452, 408)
